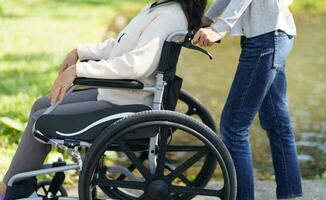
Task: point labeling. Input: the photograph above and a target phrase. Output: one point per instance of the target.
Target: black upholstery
(168, 66)
(21, 189)
(109, 83)
(50, 124)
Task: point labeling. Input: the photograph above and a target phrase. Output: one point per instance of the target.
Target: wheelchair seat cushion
(83, 126)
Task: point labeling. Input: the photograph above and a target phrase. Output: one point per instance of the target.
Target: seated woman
(134, 54)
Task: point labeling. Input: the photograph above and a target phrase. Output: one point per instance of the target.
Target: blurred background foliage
(35, 35)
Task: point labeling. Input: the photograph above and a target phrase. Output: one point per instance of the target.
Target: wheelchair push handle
(187, 43)
(193, 33)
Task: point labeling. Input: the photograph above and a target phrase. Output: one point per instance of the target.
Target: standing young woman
(134, 54)
(267, 28)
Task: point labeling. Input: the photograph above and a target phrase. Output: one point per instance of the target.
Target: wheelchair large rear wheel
(180, 182)
(190, 106)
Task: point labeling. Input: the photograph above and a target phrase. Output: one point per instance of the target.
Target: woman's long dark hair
(194, 10)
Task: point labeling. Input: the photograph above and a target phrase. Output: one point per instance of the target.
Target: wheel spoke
(185, 148)
(132, 167)
(121, 184)
(197, 191)
(182, 177)
(162, 153)
(135, 160)
(44, 190)
(185, 180)
(186, 165)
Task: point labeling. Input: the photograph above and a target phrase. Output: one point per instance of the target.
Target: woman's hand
(62, 84)
(206, 37)
(206, 21)
(71, 59)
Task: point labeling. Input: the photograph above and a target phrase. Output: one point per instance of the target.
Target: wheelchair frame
(74, 149)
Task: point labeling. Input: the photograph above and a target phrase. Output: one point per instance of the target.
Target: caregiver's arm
(229, 17)
(140, 62)
(216, 9)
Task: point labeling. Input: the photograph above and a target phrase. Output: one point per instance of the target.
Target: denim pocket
(283, 44)
(267, 51)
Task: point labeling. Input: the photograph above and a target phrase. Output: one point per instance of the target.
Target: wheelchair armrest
(109, 83)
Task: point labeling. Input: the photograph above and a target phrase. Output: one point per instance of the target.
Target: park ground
(265, 190)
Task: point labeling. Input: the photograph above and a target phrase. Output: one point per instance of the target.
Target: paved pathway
(313, 190)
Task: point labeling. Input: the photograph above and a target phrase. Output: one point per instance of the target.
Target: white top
(134, 54)
(252, 17)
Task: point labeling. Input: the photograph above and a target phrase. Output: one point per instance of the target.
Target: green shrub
(323, 176)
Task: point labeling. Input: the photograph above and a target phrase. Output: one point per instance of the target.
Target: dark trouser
(31, 154)
(260, 86)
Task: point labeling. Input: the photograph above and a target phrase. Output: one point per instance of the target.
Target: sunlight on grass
(6, 156)
(36, 37)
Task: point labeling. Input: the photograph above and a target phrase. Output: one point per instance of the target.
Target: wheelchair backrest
(168, 66)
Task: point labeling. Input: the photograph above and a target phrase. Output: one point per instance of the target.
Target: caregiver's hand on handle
(207, 35)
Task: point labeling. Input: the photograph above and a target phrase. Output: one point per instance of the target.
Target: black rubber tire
(62, 190)
(115, 131)
(195, 107)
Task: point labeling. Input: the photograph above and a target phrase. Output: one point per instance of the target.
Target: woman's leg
(78, 96)
(275, 119)
(253, 79)
(31, 153)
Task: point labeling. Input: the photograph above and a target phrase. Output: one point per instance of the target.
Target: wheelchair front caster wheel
(184, 145)
(42, 190)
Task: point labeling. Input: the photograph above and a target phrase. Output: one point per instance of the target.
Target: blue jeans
(259, 86)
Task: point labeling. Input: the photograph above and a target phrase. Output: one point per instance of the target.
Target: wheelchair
(131, 152)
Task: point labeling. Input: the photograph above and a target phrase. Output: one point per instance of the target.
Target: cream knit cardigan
(134, 54)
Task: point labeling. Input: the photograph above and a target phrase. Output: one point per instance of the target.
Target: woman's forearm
(71, 59)
(97, 51)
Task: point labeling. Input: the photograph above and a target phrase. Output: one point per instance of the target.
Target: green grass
(310, 6)
(34, 37)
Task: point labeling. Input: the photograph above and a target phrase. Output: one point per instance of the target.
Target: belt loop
(242, 41)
